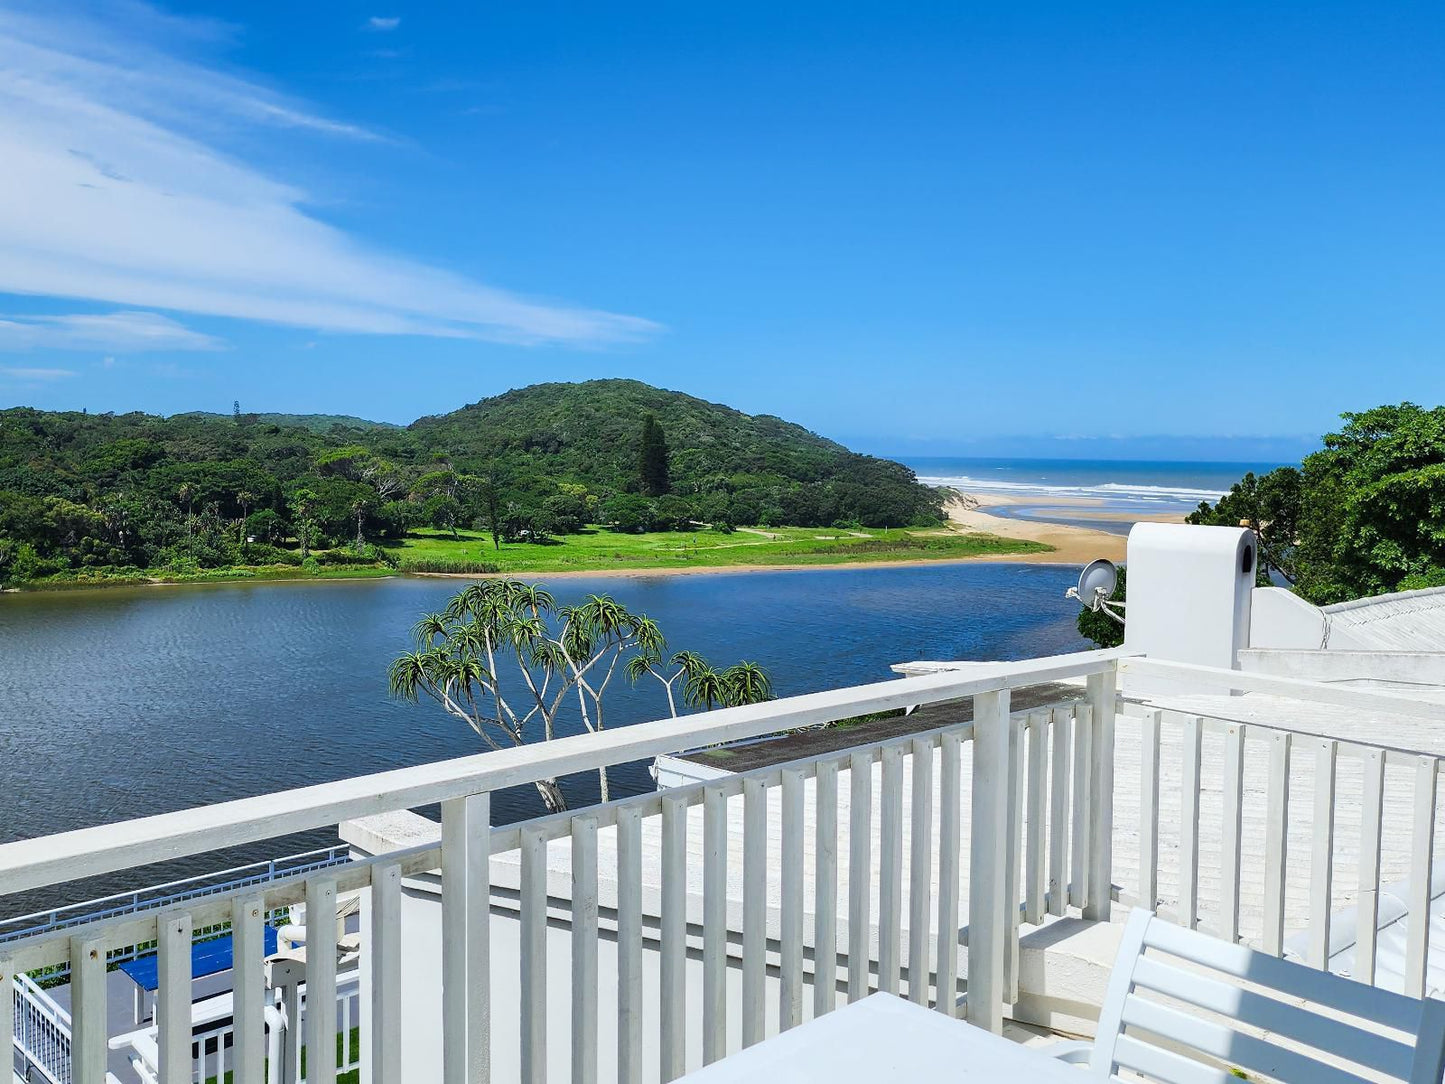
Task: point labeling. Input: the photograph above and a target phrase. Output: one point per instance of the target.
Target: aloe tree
(509, 662)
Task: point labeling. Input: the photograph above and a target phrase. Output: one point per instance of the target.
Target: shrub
(311, 566)
(460, 565)
(259, 553)
(346, 558)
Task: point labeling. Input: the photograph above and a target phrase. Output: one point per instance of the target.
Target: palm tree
(302, 503)
(245, 498)
(187, 493)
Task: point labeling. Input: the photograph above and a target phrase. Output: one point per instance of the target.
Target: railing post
(1103, 696)
(87, 1011)
(466, 947)
(988, 925)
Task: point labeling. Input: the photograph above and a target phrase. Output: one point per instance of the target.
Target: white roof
(1403, 621)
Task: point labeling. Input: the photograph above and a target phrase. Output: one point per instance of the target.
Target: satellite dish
(1097, 583)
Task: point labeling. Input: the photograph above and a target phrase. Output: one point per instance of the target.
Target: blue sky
(912, 227)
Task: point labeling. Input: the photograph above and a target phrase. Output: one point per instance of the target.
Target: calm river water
(125, 702)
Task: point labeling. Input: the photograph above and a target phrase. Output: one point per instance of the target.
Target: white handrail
(1208, 679)
(36, 863)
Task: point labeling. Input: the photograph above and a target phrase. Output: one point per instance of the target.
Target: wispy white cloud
(115, 189)
(121, 332)
(383, 22)
(37, 375)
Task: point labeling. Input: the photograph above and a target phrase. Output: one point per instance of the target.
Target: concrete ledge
(1064, 969)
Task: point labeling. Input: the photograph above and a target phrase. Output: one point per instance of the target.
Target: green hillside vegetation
(609, 473)
(1363, 516)
(317, 423)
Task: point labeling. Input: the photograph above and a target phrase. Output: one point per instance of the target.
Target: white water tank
(1189, 592)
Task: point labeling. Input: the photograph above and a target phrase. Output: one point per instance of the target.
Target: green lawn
(605, 551)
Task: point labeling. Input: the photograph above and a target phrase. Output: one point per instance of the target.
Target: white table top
(886, 1040)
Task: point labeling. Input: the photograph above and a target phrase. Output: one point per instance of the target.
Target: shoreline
(1070, 545)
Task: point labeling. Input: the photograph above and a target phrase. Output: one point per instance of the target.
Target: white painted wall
(1190, 592)
(1280, 618)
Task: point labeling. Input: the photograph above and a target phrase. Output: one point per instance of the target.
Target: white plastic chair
(1186, 1008)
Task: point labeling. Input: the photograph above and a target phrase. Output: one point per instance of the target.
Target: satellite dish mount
(1096, 584)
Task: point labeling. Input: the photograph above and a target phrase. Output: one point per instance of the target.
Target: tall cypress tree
(652, 459)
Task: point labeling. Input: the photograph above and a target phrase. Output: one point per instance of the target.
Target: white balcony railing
(1263, 828)
(982, 827)
(463, 786)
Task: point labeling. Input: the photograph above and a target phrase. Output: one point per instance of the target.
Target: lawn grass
(601, 551)
(606, 551)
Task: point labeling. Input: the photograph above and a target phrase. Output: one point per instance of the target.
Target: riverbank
(976, 532)
(471, 554)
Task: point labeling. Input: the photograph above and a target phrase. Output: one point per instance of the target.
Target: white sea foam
(1106, 492)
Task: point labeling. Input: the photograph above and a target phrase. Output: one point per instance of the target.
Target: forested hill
(140, 491)
(318, 423)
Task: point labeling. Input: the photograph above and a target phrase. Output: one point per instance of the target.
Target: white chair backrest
(1185, 1008)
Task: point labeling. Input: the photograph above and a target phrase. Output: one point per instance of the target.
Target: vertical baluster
(714, 924)
(1063, 744)
(173, 999)
(949, 846)
(1189, 823)
(1079, 858)
(673, 949)
(987, 920)
(87, 1011)
(533, 985)
(1276, 841)
(466, 946)
(1013, 861)
(1233, 831)
(920, 870)
(345, 1033)
(248, 992)
(1422, 853)
(321, 980)
(381, 1028)
(890, 873)
(1367, 926)
(629, 945)
(584, 949)
(1323, 860)
(7, 1014)
(1035, 875)
(1149, 810)
(825, 889)
(790, 933)
(1103, 698)
(860, 871)
(755, 907)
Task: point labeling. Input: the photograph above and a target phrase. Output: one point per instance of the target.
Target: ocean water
(1111, 487)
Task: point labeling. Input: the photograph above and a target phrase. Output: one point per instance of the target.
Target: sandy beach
(1073, 545)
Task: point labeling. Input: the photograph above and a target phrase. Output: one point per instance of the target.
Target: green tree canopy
(1363, 516)
(652, 467)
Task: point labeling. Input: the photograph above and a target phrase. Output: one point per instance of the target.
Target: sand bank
(1073, 545)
